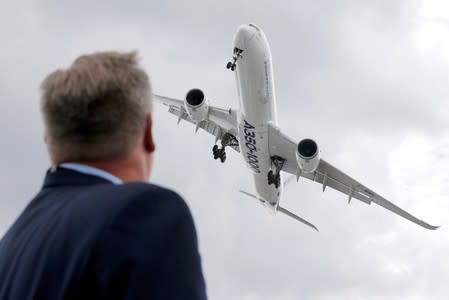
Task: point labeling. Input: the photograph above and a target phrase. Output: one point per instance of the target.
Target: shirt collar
(85, 169)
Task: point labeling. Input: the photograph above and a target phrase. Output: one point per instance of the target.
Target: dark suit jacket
(83, 237)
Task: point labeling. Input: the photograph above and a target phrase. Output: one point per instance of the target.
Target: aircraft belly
(257, 102)
(267, 192)
(254, 148)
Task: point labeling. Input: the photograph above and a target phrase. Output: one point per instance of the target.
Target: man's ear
(148, 141)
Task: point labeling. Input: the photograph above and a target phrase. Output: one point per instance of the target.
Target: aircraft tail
(282, 210)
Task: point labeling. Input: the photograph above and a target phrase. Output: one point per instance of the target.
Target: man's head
(98, 110)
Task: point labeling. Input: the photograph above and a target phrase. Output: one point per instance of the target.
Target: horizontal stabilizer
(292, 215)
(282, 210)
(252, 196)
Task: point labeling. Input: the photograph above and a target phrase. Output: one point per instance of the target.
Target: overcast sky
(368, 80)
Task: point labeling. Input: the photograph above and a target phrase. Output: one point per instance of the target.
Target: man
(96, 230)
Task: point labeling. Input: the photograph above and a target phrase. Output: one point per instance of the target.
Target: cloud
(367, 80)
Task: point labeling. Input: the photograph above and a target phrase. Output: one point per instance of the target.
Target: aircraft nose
(243, 35)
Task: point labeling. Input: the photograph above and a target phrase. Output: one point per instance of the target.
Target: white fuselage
(254, 76)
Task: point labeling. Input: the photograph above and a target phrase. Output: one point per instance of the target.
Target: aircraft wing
(329, 176)
(219, 122)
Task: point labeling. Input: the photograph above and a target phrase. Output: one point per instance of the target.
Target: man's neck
(90, 170)
(132, 168)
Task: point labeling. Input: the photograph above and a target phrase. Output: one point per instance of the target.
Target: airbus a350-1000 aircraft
(252, 130)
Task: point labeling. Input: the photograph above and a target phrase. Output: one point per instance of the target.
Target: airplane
(252, 131)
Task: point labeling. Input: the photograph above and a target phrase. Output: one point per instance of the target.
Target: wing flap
(334, 183)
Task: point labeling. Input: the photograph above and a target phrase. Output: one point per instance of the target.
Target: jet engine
(196, 105)
(308, 155)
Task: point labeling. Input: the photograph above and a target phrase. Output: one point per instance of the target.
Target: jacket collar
(59, 176)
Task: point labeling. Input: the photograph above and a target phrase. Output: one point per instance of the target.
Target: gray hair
(96, 109)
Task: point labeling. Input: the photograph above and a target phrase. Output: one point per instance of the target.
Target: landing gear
(274, 177)
(219, 153)
(227, 140)
(237, 54)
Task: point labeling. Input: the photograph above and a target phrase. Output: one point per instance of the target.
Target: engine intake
(197, 105)
(307, 148)
(195, 97)
(308, 155)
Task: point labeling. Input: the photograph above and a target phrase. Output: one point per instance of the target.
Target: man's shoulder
(153, 237)
(115, 198)
(147, 195)
(150, 217)
(135, 189)
(105, 204)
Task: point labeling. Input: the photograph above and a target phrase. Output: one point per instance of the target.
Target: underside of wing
(329, 176)
(336, 179)
(218, 122)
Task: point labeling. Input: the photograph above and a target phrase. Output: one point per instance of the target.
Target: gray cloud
(350, 74)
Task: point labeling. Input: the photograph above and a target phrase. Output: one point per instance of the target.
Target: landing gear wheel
(215, 151)
(277, 182)
(237, 55)
(219, 153)
(270, 177)
(274, 179)
(227, 140)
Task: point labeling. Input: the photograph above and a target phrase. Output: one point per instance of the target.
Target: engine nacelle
(308, 155)
(196, 105)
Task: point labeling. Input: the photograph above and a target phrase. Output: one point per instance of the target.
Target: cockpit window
(254, 26)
